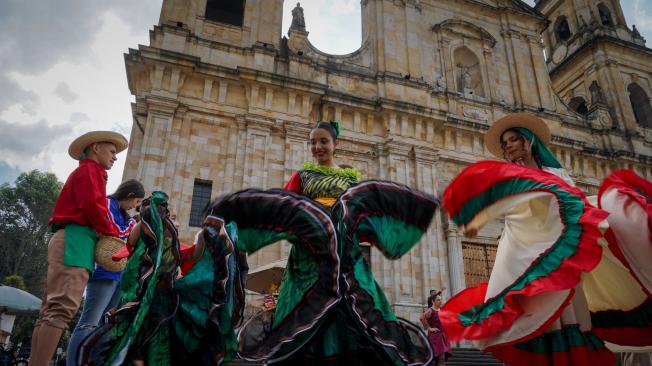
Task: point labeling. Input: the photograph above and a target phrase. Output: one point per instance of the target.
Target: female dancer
(325, 181)
(330, 310)
(533, 310)
(165, 319)
(441, 347)
(103, 290)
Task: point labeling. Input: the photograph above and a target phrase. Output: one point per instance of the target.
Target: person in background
(80, 215)
(103, 289)
(441, 347)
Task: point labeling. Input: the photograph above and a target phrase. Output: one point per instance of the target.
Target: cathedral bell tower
(598, 65)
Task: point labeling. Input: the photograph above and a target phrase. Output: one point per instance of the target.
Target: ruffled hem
(263, 218)
(468, 315)
(639, 190)
(626, 328)
(566, 347)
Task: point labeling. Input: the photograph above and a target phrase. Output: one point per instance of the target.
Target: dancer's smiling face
(322, 146)
(515, 148)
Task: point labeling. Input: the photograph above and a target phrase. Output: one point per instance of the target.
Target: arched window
(226, 11)
(640, 105)
(578, 104)
(605, 15)
(562, 29)
(468, 73)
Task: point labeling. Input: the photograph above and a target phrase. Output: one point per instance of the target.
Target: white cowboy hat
(78, 146)
(524, 120)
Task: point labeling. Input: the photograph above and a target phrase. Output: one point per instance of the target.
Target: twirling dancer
(330, 310)
(165, 319)
(533, 310)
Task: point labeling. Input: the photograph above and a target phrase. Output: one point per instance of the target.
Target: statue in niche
(466, 78)
(596, 93)
(298, 21)
(440, 84)
(582, 22)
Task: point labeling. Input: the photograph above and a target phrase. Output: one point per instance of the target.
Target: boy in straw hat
(80, 215)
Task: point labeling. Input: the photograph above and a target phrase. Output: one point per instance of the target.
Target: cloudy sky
(62, 69)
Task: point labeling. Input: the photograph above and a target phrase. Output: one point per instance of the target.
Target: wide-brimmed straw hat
(105, 249)
(524, 120)
(77, 147)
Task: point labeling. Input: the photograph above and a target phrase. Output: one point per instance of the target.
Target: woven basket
(105, 248)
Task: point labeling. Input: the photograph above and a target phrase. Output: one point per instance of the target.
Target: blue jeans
(101, 296)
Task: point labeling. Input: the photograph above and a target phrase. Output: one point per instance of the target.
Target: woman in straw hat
(103, 290)
(80, 215)
(533, 310)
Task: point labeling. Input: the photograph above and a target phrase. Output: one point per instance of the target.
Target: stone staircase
(471, 357)
(461, 357)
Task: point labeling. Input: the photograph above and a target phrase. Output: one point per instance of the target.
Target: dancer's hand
(471, 233)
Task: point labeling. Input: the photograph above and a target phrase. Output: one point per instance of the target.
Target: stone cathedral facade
(224, 102)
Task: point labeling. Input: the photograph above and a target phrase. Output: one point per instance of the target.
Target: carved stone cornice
(466, 30)
(161, 105)
(425, 155)
(296, 130)
(258, 122)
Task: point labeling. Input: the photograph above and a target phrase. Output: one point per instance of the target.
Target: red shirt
(83, 200)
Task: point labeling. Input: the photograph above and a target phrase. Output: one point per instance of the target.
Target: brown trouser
(61, 299)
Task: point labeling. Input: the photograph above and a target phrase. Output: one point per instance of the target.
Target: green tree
(15, 281)
(25, 209)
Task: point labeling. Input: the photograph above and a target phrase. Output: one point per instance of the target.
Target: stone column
(455, 259)
(159, 122)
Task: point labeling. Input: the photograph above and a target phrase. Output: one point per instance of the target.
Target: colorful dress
(619, 290)
(330, 310)
(164, 319)
(533, 310)
(441, 347)
(322, 184)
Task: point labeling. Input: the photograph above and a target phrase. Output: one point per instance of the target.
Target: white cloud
(13, 94)
(77, 117)
(64, 92)
(642, 20)
(29, 146)
(95, 81)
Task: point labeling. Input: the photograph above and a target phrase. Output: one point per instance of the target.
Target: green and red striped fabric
(468, 315)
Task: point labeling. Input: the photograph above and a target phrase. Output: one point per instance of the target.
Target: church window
(578, 104)
(640, 105)
(468, 72)
(562, 29)
(605, 15)
(226, 11)
(201, 197)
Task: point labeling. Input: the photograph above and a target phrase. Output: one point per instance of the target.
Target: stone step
(471, 357)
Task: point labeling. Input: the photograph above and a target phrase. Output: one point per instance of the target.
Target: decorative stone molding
(465, 30)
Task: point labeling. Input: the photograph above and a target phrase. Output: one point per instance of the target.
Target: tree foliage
(15, 281)
(25, 209)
